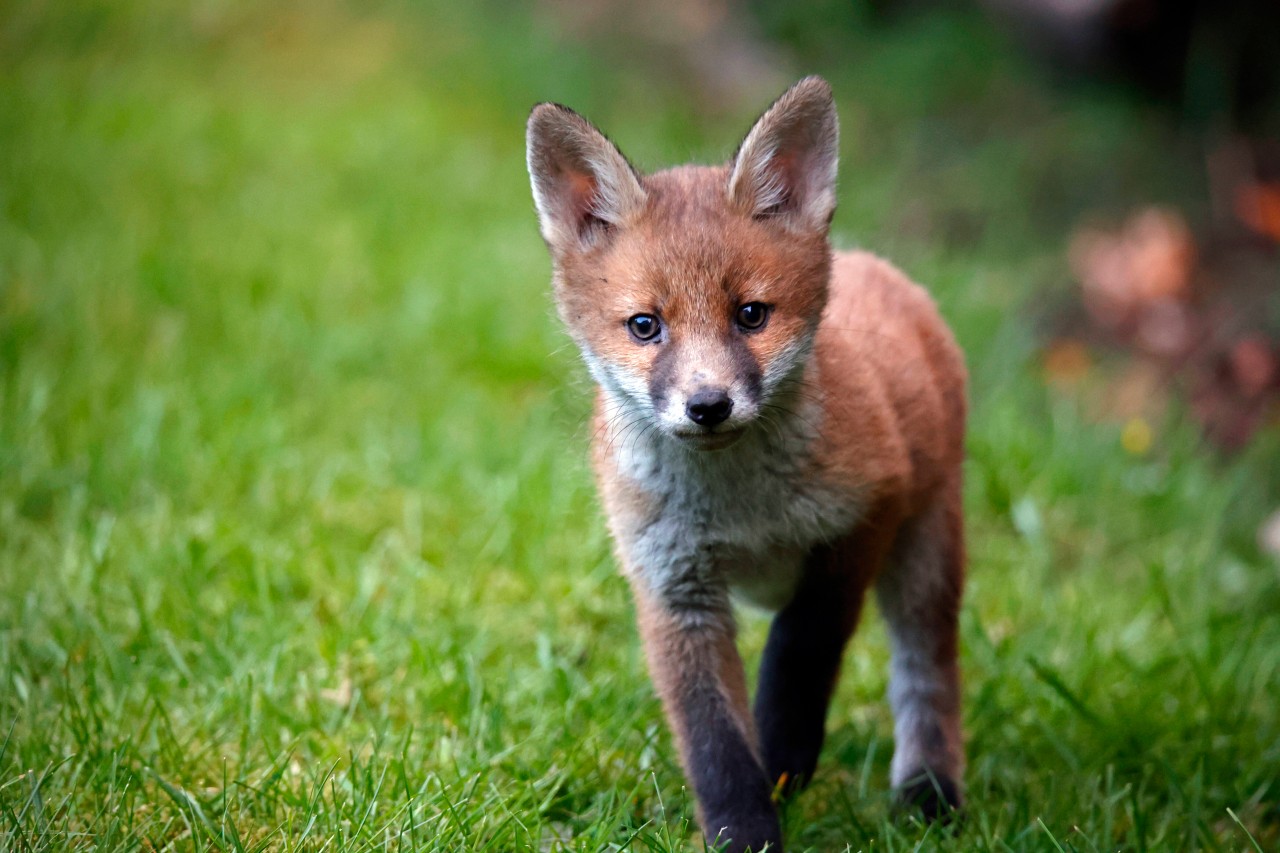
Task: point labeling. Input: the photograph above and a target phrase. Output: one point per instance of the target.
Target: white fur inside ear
(786, 166)
(582, 185)
(769, 189)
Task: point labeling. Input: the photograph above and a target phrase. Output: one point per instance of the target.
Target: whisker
(793, 414)
(800, 389)
(649, 427)
(640, 421)
(608, 424)
(771, 422)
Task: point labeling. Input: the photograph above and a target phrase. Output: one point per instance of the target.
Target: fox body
(776, 423)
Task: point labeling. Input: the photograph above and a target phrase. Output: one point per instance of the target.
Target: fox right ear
(786, 167)
(582, 185)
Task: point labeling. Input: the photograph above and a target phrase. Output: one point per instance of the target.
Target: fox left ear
(786, 167)
(582, 185)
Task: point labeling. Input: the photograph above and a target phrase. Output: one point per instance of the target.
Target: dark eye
(644, 327)
(753, 315)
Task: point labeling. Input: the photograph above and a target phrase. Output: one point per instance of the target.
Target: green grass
(298, 546)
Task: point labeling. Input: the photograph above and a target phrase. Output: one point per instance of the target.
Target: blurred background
(298, 545)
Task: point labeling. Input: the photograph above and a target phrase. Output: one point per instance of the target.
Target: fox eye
(753, 315)
(644, 327)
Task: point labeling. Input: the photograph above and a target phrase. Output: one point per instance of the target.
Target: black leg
(734, 795)
(799, 668)
(695, 666)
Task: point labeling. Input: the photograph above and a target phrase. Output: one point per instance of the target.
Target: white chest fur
(739, 519)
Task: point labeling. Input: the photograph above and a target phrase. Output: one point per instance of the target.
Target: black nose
(709, 407)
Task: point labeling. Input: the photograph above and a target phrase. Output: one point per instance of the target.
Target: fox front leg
(694, 662)
(798, 672)
(807, 639)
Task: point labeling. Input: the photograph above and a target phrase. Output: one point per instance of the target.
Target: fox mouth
(707, 440)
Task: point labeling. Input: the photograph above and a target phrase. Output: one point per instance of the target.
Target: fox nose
(708, 407)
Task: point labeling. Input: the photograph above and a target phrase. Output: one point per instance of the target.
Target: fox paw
(937, 798)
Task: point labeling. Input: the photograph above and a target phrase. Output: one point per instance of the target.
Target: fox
(775, 424)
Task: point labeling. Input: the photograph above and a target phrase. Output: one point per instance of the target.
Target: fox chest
(720, 522)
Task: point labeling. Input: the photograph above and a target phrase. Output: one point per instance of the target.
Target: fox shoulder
(893, 377)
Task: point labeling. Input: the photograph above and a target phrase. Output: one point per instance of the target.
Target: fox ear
(786, 167)
(582, 185)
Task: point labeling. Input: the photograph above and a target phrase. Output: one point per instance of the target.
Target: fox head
(693, 293)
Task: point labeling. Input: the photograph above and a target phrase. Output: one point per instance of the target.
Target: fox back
(773, 422)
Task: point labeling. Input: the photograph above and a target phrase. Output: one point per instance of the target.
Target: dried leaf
(1066, 362)
(1149, 259)
(1258, 206)
(339, 695)
(1253, 366)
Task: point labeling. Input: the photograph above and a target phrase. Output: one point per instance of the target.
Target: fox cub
(774, 422)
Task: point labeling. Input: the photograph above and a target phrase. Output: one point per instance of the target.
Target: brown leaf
(1258, 206)
(1253, 366)
(1066, 362)
(1149, 259)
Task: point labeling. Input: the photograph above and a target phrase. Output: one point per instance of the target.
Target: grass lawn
(298, 545)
